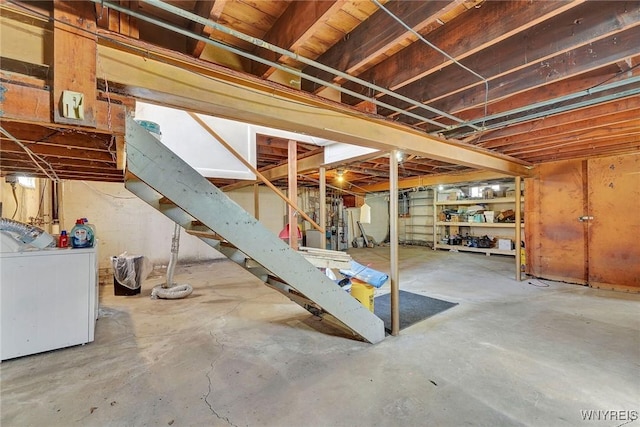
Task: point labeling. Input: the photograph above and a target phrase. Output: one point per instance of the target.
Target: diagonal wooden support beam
(228, 146)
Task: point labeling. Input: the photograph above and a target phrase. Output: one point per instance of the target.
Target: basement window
(476, 192)
(27, 182)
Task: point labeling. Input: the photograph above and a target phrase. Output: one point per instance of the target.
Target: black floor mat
(413, 308)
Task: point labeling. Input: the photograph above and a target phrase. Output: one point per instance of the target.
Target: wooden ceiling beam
(145, 76)
(590, 140)
(21, 158)
(589, 149)
(293, 28)
(539, 94)
(74, 60)
(472, 32)
(203, 8)
(56, 151)
(536, 135)
(33, 105)
(29, 166)
(374, 37)
(435, 179)
(454, 89)
(530, 79)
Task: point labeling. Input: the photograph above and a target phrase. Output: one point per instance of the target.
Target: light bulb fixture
(340, 175)
(440, 187)
(399, 156)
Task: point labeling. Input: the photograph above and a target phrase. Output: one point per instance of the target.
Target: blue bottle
(81, 235)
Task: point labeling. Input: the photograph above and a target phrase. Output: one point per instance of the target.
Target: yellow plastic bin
(362, 292)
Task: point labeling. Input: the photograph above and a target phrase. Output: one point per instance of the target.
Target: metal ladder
(162, 179)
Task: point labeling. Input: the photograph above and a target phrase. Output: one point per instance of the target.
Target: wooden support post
(293, 193)
(74, 63)
(518, 239)
(393, 220)
(323, 202)
(256, 200)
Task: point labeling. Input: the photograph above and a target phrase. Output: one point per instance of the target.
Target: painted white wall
(190, 141)
(338, 152)
(126, 223)
(379, 225)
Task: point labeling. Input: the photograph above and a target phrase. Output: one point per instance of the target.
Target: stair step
(151, 165)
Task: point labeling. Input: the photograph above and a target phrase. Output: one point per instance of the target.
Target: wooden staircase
(163, 180)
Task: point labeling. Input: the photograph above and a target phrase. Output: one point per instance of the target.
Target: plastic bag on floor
(130, 270)
(365, 274)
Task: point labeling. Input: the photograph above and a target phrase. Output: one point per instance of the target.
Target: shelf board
(480, 224)
(489, 251)
(478, 201)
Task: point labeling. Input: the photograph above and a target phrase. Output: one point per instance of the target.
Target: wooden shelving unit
(504, 230)
(418, 225)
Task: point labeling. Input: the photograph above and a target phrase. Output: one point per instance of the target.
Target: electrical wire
(41, 203)
(107, 194)
(451, 58)
(254, 58)
(33, 156)
(15, 197)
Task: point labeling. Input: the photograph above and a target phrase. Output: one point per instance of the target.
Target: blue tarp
(368, 275)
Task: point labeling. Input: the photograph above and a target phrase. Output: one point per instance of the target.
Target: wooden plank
(380, 32)
(203, 9)
(260, 102)
(74, 61)
(431, 180)
(32, 105)
(295, 26)
(545, 41)
(481, 28)
(614, 204)
(606, 146)
(130, 25)
(555, 240)
(443, 95)
(56, 151)
(611, 113)
(292, 181)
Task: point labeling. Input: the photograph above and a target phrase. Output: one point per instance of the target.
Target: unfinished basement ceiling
(562, 76)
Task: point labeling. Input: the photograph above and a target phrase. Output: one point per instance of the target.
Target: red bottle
(63, 240)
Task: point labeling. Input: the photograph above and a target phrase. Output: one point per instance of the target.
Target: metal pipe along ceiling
(261, 43)
(436, 48)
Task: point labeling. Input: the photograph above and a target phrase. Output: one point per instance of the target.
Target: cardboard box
(505, 244)
(489, 216)
(510, 193)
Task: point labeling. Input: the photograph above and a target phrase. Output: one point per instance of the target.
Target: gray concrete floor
(236, 353)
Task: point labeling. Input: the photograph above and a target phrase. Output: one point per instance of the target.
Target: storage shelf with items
(482, 223)
(416, 217)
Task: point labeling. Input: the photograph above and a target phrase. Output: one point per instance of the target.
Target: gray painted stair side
(162, 170)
